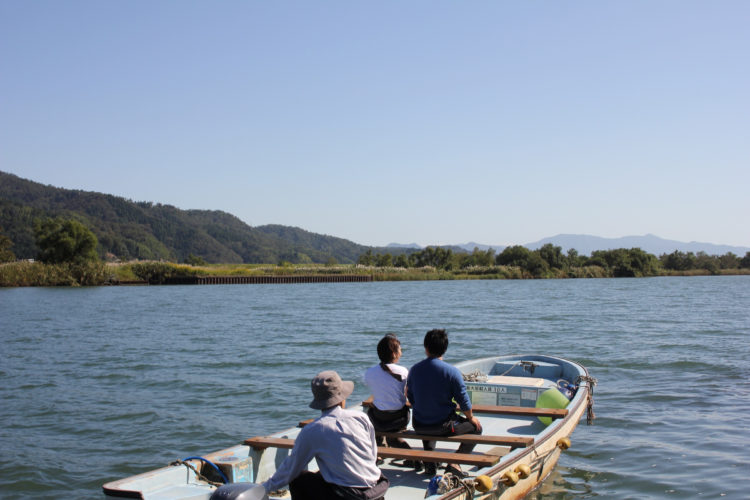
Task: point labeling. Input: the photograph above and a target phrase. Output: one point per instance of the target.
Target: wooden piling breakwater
(262, 280)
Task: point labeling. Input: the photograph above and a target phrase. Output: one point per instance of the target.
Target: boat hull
(182, 483)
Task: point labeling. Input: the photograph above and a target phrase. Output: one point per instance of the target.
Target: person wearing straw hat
(341, 441)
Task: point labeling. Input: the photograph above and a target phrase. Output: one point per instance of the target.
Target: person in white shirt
(341, 441)
(387, 383)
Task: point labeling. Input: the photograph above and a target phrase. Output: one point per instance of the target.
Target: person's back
(341, 435)
(387, 380)
(387, 383)
(434, 388)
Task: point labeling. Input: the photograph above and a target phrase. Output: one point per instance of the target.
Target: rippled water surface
(101, 383)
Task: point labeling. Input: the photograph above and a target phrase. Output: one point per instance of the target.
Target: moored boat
(529, 406)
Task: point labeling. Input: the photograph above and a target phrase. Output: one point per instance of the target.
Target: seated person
(387, 383)
(341, 441)
(433, 389)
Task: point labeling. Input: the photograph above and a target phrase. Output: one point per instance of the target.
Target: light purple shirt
(387, 392)
(342, 442)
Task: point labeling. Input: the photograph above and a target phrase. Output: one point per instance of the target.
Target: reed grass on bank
(22, 273)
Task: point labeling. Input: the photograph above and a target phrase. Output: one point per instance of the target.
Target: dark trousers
(455, 426)
(390, 421)
(312, 486)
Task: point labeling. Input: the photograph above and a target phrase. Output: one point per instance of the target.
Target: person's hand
(475, 421)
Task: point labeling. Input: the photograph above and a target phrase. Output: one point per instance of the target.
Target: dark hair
(436, 342)
(388, 347)
(387, 350)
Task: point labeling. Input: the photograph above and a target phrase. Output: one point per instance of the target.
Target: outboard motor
(240, 491)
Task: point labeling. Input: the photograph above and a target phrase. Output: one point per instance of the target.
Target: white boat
(521, 401)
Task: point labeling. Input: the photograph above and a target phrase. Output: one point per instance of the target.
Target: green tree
(729, 261)
(65, 241)
(515, 255)
(384, 260)
(708, 262)
(536, 265)
(401, 261)
(195, 260)
(482, 258)
(678, 261)
(552, 255)
(437, 257)
(575, 260)
(6, 255)
(745, 261)
(366, 259)
(626, 263)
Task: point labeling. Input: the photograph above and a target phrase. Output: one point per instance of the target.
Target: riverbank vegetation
(549, 261)
(606, 264)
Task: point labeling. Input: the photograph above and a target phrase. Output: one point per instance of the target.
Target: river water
(101, 383)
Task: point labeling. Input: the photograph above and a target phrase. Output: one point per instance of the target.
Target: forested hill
(145, 230)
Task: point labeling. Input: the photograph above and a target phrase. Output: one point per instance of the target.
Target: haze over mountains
(145, 230)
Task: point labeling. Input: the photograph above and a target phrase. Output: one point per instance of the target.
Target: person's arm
(464, 402)
(409, 393)
(292, 466)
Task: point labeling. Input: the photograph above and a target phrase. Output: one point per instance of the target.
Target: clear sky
(434, 122)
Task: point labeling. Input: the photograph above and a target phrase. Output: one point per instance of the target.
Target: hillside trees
(6, 255)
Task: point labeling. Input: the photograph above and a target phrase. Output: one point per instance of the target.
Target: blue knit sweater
(433, 389)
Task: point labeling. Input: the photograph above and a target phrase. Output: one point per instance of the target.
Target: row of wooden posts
(257, 280)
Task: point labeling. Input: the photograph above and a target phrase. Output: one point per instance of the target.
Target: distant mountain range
(144, 230)
(586, 244)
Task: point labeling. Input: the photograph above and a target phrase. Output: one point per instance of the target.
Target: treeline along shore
(431, 263)
(59, 237)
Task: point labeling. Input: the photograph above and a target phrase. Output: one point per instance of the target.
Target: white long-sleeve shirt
(387, 392)
(342, 443)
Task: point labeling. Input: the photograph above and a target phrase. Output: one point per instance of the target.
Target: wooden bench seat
(512, 441)
(521, 411)
(478, 459)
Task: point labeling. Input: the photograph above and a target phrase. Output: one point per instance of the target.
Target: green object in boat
(551, 398)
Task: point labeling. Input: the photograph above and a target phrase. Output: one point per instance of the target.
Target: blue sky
(421, 121)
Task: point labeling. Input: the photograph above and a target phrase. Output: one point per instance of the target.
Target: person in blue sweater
(434, 388)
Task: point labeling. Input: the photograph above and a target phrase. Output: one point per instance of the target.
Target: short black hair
(436, 342)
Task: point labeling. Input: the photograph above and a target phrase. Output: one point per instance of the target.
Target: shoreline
(29, 274)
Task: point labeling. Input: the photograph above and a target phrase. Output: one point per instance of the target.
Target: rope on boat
(541, 460)
(590, 408)
(478, 376)
(528, 366)
(450, 482)
(475, 376)
(198, 475)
